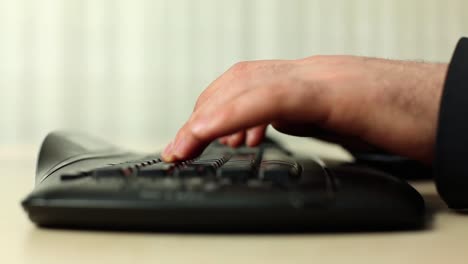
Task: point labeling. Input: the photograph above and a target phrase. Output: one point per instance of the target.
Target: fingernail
(231, 140)
(223, 140)
(169, 159)
(249, 139)
(168, 151)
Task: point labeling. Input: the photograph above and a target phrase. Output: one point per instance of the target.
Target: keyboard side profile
(85, 183)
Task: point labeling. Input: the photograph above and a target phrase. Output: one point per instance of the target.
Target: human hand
(391, 104)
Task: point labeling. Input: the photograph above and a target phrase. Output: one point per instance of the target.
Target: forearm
(408, 104)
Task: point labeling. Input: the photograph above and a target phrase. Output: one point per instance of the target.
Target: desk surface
(446, 241)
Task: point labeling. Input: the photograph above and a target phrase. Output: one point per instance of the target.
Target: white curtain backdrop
(130, 70)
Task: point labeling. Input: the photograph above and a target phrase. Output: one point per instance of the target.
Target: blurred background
(131, 70)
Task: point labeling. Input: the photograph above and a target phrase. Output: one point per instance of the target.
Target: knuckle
(199, 101)
(240, 68)
(317, 58)
(194, 133)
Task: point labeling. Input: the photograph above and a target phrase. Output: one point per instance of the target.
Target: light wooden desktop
(444, 241)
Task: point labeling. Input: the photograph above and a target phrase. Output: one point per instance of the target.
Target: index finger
(243, 112)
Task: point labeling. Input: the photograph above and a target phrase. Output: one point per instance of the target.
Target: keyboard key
(278, 172)
(224, 182)
(193, 183)
(273, 154)
(248, 151)
(251, 154)
(195, 170)
(240, 166)
(243, 158)
(156, 170)
(113, 172)
(215, 160)
(74, 176)
(170, 183)
(236, 171)
(255, 183)
(186, 171)
(210, 186)
(163, 184)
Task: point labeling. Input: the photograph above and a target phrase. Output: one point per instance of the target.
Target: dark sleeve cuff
(451, 151)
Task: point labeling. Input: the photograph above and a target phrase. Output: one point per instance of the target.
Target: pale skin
(389, 104)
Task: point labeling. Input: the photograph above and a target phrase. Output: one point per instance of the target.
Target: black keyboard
(85, 183)
(262, 167)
